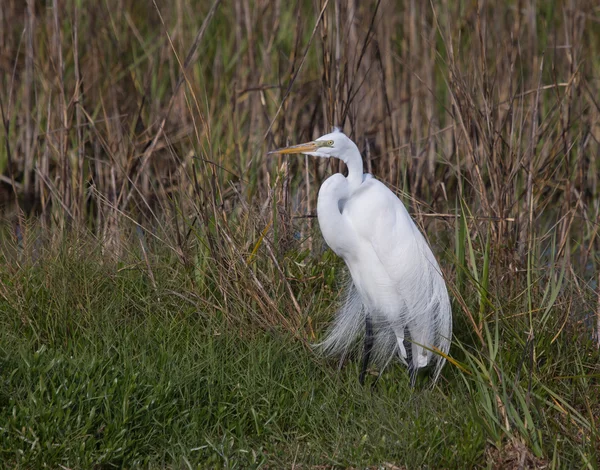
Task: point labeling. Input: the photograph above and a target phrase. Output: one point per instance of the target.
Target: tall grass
(140, 130)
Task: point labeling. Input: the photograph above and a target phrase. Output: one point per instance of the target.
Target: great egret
(397, 286)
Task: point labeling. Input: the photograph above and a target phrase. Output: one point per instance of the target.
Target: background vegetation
(161, 279)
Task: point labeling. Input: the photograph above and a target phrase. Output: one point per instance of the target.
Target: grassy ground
(102, 368)
(108, 363)
(162, 281)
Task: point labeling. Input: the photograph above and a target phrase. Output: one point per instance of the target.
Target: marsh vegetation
(161, 280)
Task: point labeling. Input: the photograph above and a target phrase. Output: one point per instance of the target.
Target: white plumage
(397, 285)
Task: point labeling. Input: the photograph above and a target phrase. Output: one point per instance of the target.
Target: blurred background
(494, 104)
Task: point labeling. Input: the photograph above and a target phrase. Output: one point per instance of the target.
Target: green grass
(100, 368)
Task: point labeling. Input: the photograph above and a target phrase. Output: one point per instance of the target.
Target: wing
(381, 221)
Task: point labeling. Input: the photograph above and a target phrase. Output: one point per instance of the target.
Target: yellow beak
(300, 148)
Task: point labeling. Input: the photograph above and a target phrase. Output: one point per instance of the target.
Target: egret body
(397, 291)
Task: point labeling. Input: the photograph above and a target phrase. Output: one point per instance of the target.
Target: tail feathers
(348, 329)
(443, 337)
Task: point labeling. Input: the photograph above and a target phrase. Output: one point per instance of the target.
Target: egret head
(335, 144)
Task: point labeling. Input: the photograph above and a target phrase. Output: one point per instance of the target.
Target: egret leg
(367, 350)
(410, 358)
(399, 332)
(419, 336)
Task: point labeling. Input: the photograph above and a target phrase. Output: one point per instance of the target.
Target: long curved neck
(354, 163)
(335, 228)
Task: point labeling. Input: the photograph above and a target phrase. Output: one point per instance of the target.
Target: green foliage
(103, 365)
(100, 369)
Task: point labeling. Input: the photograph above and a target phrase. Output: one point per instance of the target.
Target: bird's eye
(330, 143)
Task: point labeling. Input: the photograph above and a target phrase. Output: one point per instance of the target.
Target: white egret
(397, 287)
